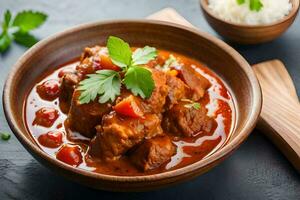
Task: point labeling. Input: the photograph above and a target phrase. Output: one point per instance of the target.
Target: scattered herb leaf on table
(18, 29)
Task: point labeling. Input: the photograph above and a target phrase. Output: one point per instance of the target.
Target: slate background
(257, 170)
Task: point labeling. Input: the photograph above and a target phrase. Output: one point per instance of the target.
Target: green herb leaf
(255, 5)
(6, 22)
(143, 55)
(29, 20)
(25, 39)
(5, 41)
(191, 104)
(5, 136)
(172, 61)
(139, 80)
(105, 83)
(240, 2)
(119, 51)
(194, 105)
(24, 22)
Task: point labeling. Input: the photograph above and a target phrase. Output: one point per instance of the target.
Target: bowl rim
(218, 155)
(292, 14)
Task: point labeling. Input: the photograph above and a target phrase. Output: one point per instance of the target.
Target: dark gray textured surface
(257, 170)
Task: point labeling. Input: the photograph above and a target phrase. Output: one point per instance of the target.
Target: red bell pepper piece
(129, 107)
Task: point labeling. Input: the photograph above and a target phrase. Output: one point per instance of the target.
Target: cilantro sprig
(18, 29)
(254, 5)
(106, 84)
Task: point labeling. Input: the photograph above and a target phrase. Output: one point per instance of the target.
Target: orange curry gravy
(217, 100)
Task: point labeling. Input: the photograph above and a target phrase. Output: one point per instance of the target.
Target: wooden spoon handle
(280, 116)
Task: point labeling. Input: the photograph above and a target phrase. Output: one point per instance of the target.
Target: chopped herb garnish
(194, 105)
(5, 136)
(254, 5)
(191, 104)
(172, 61)
(18, 29)
(107, 84)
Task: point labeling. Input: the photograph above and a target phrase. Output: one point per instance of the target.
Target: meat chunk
(89, 52)
(187, 121)
(157, 100)
(68, 84)
(198, 83)
(153, 153)
(177, 91)
(84, 117)
(93, 59)
(87, 60)
(118, 134)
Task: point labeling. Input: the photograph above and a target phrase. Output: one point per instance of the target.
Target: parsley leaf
(119, 51)
(139, 81)
(29, 20)
(143, 55)
(25, 39)
(4, 42)
(106, 83)
(256, 5)
(18, 30)
(6, 22)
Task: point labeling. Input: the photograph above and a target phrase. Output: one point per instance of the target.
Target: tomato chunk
(70, 155)
(51, 139)
(48, 90)
(129, 107)
(45, 117)
(104, 62)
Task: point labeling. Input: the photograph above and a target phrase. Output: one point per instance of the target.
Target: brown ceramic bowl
(62, 47)
(249, 34)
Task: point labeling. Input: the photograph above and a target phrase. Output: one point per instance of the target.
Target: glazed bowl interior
(58, 49)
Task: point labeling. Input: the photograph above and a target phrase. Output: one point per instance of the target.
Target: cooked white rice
(230, 10)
